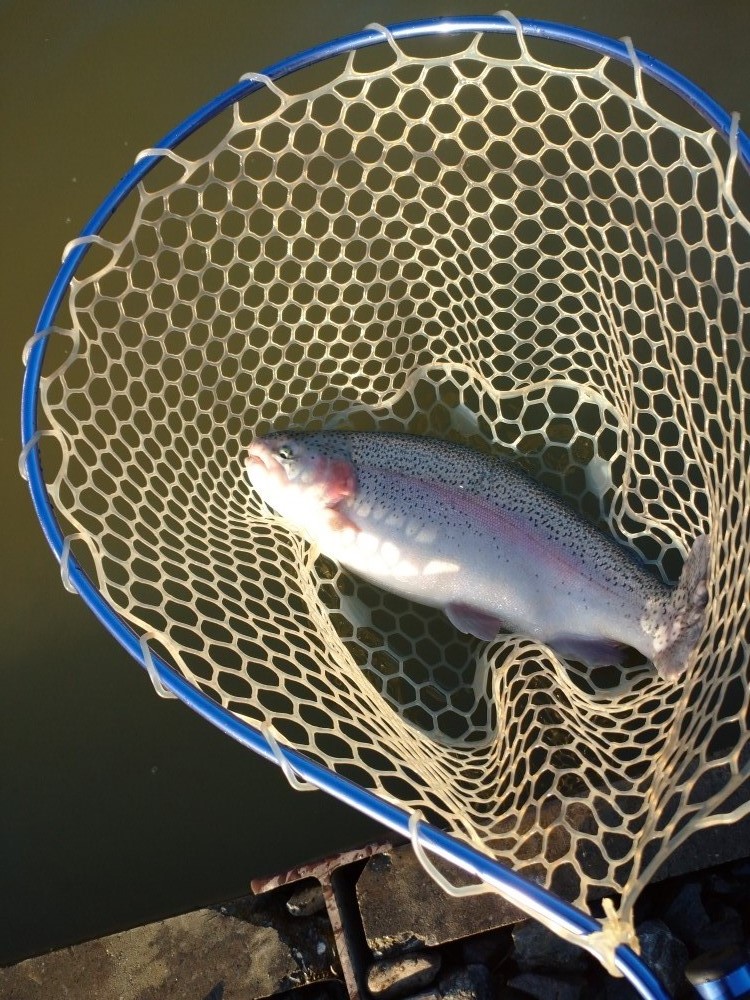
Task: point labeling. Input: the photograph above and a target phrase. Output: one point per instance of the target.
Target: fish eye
(285, 453)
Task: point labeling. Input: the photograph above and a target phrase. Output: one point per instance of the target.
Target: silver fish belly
(477, 537)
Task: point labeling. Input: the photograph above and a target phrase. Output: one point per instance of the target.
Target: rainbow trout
(477, 537)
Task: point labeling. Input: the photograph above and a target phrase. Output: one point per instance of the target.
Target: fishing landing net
(527, 244)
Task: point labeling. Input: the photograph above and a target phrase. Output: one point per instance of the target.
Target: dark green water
(117, 807)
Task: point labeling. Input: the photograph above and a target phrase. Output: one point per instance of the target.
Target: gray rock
(536, 947)
(726, 931)
(403, 910)
(686, 916)
(486, 949)
(397, 977)
(741, 870)
(307, 901)
(203, 954)
(471, 983)
(320, 991)
(723, 885)
(619, 989)
(509, 993)
(663, 953)
(544, 987)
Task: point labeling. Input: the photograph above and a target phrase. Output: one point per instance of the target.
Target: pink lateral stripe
(500, 523)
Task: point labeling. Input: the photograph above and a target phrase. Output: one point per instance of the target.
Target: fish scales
(499, 483)
(475, 535)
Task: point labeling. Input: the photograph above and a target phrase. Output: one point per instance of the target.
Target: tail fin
(676, 624)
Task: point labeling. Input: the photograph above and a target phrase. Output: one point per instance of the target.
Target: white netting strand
(477, 244)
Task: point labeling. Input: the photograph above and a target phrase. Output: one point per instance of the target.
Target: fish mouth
(260, 456)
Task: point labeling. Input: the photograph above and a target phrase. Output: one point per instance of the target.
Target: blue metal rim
(333, 784)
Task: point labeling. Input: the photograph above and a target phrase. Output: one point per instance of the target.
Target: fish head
(297, 478)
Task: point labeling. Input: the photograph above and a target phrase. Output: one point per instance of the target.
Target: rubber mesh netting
(537, 252)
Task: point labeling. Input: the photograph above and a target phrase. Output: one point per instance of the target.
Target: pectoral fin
(473, 620)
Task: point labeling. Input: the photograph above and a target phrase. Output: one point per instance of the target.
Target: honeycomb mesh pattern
(461, 240)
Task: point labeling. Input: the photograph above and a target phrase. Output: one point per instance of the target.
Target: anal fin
(592, 652)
